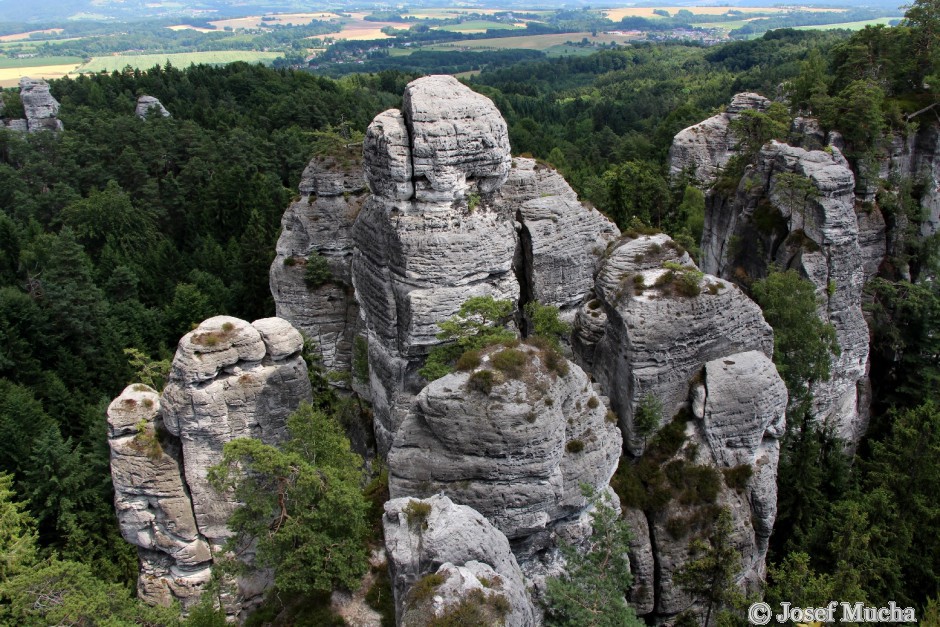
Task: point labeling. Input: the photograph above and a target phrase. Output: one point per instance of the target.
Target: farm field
(22, 36)
(181, 59)
(36, 62)
(528, 42)
(10, 77)
(479, 26)
(850, 25)
(283, 19)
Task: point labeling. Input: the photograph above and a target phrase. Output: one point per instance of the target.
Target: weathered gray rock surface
(654, 340)
(40, 107)
(796, 208)
(154, 510)
(229, 379)
(705, 148)
(517, 454)
(446, 222)
(319, 224)
(149, 105)
(703, 352)
(437, 536)
(459, 140)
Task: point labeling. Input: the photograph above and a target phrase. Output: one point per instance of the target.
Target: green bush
(417, 513)
(360, 359)
(555, 362)
(510, 361)
(317, 271)
(424, 588)
(481, 381)
(469, 360)
(737, 477)
(574, 446)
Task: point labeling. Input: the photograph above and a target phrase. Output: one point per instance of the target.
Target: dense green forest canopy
(122, 233)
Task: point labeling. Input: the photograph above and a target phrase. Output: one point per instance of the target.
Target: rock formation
(445, 222)
(40, 107)
(515, 445)
(705, 148)
(148, 105)
(455, 555)
(641, 338)
(658, 330)
(154, 509)
(229, 379)
(318, 227)
(796, 209)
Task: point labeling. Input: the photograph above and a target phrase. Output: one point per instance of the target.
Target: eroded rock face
(319, 224)
(447, 221)
(517, 453)
(796, 208)
(702, 349)
(470, 556)
(735, 438)
(457, 138)
(148, 105)
(705, 148)
(40, 107)
(154, 510)
(229, 379)
(652, 340)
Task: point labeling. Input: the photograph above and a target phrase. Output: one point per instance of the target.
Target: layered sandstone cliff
(796, 208)
(229, 379)
(660, 332)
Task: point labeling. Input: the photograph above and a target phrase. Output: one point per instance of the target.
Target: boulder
(516, 447)
(40, 107)
(148, 105)
(442, 554)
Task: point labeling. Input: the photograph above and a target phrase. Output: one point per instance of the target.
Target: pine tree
(592, 591)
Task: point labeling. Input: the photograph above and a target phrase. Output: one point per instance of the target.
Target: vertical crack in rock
(522, 266)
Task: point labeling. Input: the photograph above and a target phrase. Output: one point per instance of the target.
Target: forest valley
(117, 237)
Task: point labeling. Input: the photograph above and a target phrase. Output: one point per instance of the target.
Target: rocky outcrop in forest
(795, 207)
(39, 107)
(316, 230)
(149, 105)
(229, 379)
(659, 332)
(451, 215)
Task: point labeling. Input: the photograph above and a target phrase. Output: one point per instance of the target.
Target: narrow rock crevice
(522, 266)
(657, 567)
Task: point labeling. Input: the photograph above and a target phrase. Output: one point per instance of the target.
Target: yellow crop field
(10, 76)
(255, 21)
(22, 36)
(527, 42)
(180, 59)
